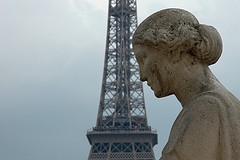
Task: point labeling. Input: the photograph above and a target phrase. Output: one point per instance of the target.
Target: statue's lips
(149, 84)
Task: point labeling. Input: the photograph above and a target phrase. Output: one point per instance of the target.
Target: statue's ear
(209, 49)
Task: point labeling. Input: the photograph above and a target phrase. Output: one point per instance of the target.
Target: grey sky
(51, 64)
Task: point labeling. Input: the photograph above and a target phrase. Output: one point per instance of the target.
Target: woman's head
(176, 32)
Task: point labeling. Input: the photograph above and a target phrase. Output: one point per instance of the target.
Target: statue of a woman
(174, 52)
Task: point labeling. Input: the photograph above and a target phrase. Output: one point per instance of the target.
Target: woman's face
(155, 69)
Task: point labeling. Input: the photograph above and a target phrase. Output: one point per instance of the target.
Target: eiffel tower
(122, 131)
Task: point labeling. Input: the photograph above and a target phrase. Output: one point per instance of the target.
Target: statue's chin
(158, 94)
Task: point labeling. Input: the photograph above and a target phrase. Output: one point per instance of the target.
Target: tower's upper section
(122, 104)
(122, 7)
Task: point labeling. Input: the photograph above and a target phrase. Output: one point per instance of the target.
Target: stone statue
(174, 52)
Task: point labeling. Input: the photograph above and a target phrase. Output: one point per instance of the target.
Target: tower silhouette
(122, 131)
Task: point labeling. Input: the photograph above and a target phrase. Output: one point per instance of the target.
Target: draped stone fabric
(207, 128)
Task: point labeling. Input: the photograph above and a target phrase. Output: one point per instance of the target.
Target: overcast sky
(51, 65)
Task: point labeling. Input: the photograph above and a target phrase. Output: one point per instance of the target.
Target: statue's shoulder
(213, 103)
(217, 97)
(205, 106)
(205, 99)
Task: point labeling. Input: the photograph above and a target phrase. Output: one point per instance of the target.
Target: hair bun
(209, 49)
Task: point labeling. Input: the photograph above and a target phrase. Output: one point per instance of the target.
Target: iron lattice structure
(122, 130)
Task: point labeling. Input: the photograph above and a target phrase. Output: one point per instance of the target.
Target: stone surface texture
(174, 52)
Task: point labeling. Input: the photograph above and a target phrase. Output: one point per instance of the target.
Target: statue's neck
(191, 84)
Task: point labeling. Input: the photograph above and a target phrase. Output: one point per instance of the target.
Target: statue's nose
(143, 77)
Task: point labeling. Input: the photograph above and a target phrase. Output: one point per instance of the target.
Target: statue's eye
(144, 56)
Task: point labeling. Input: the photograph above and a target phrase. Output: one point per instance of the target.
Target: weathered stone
(174, 52)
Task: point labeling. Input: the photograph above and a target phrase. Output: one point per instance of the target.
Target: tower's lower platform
(119, 144)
